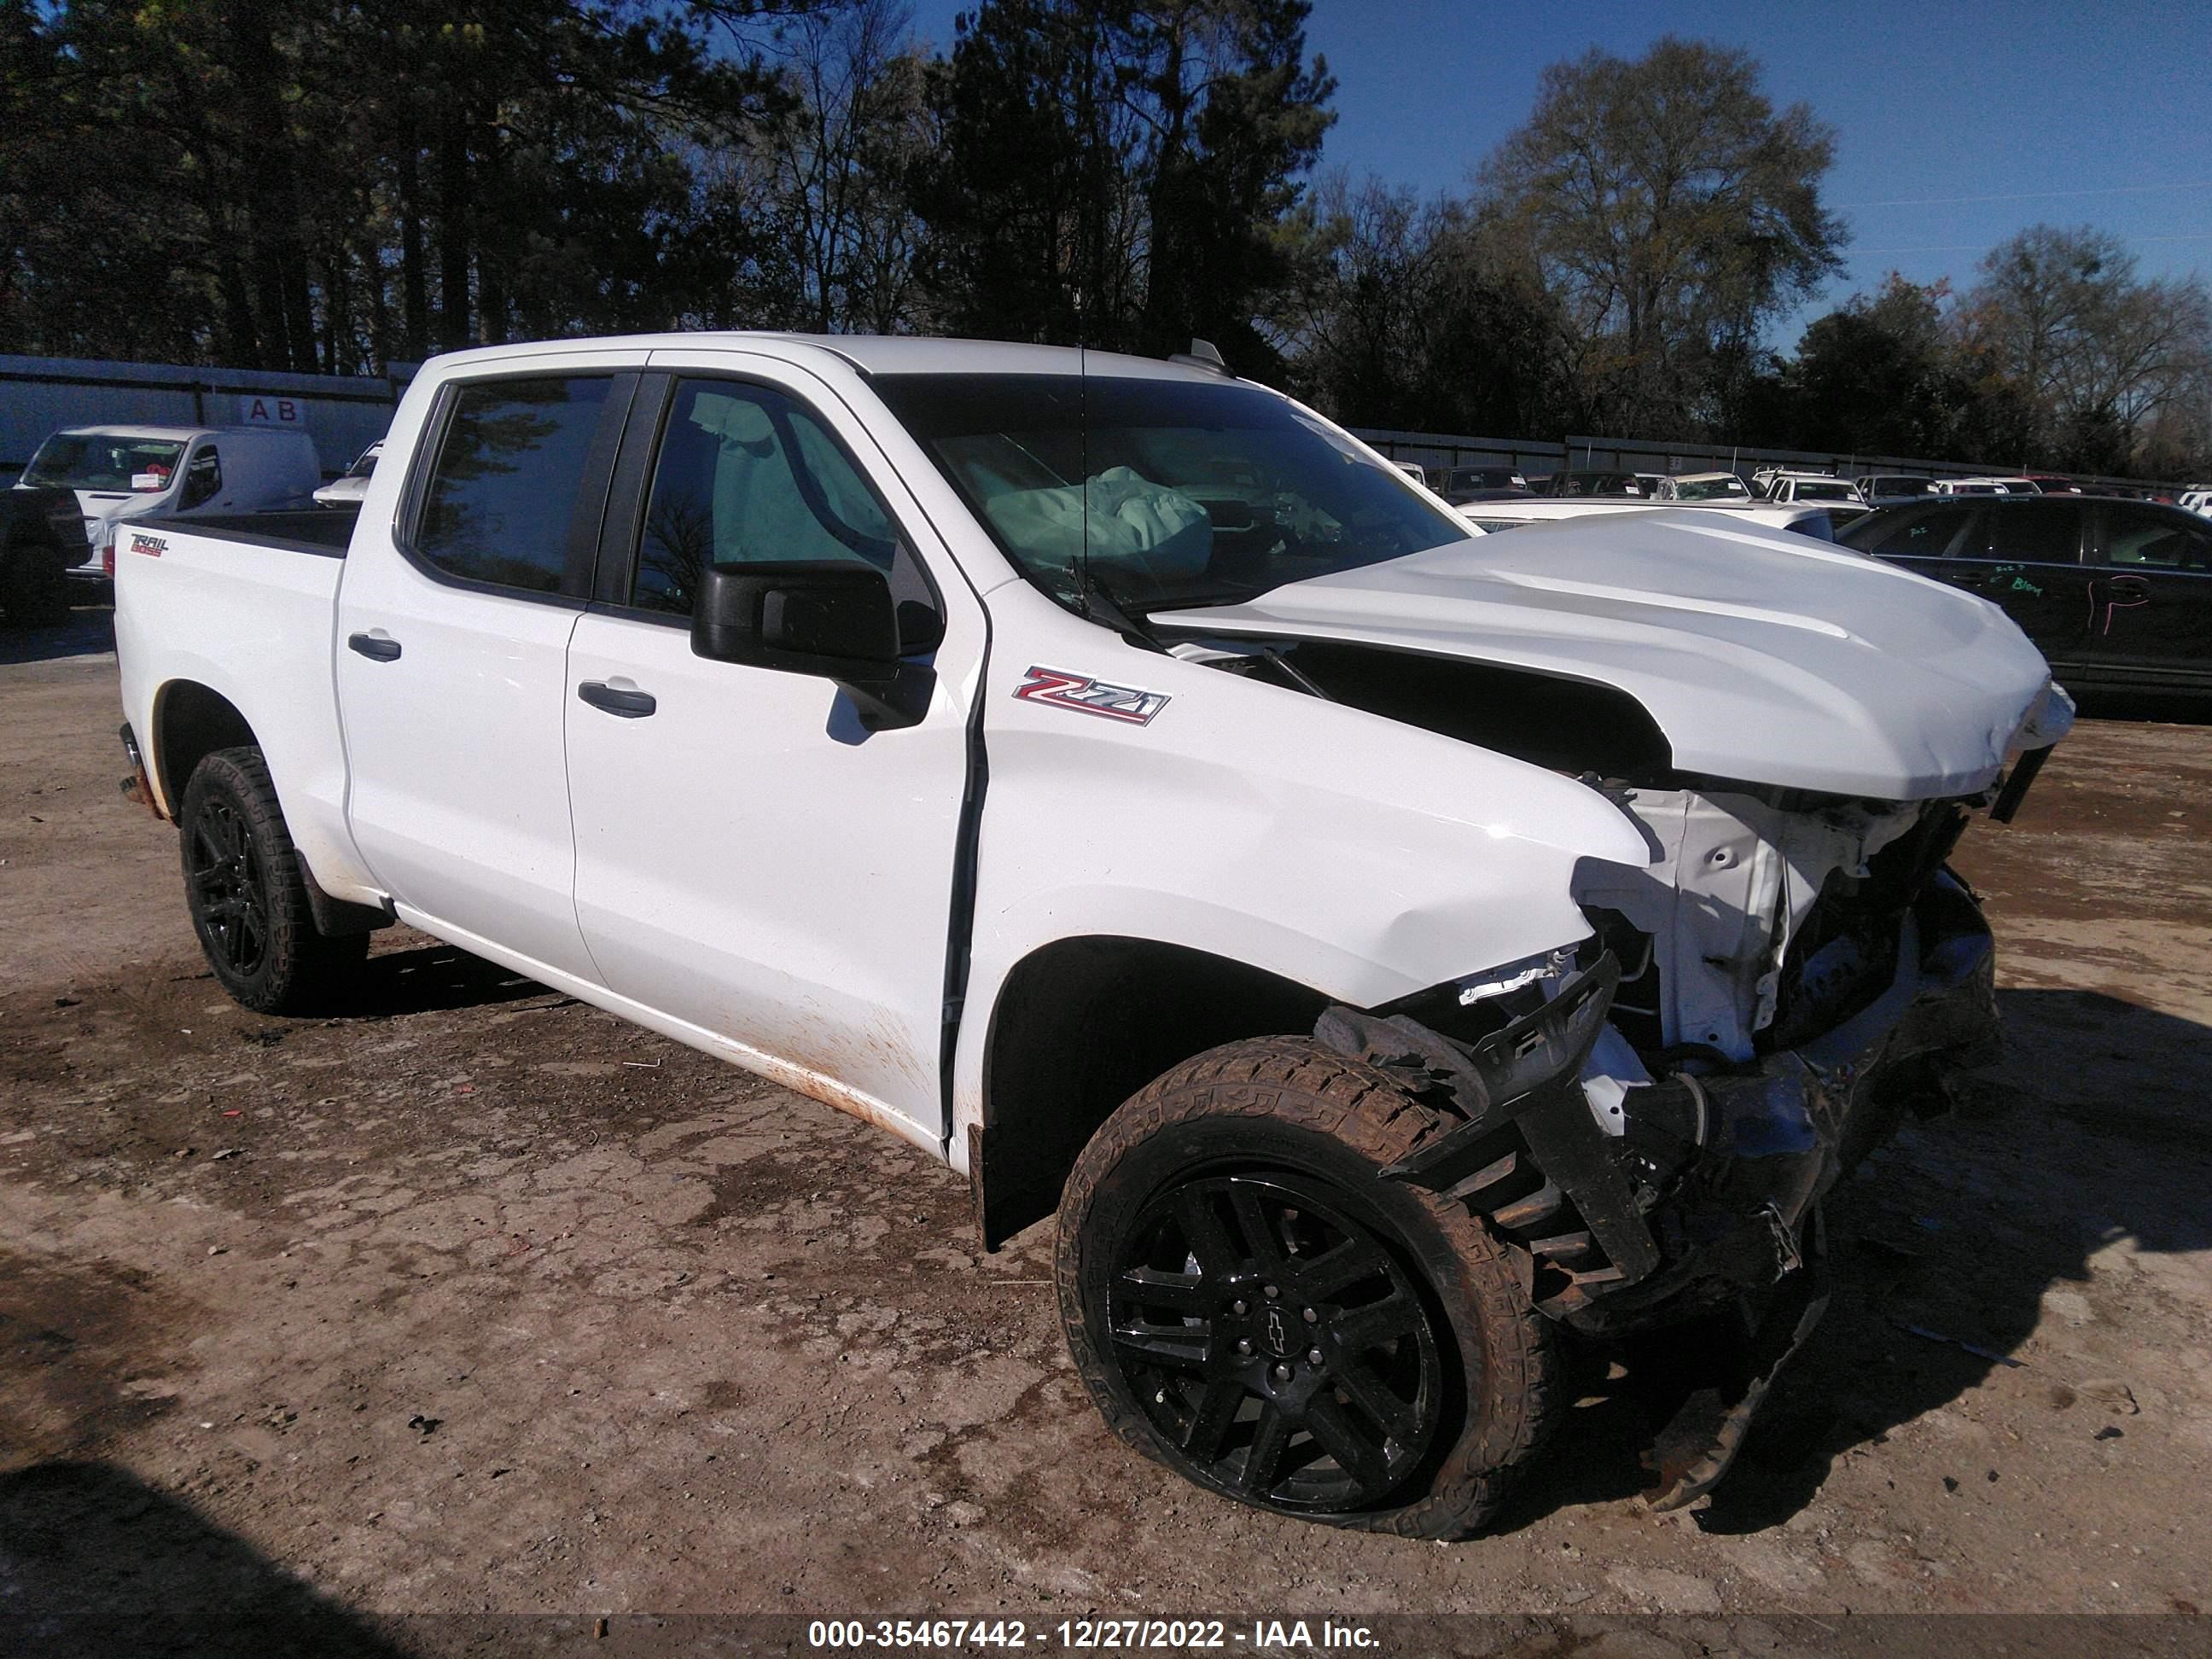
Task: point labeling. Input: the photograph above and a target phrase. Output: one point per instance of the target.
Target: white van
(121, 472)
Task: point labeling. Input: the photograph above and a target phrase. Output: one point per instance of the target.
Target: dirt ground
(477, 1301)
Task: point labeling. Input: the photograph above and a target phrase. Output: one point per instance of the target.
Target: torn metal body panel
(1732, 882)
(1638, 1204)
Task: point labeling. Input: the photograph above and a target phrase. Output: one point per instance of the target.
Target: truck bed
(322, 530)
(232, 605)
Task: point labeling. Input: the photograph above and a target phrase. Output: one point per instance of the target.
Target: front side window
(1155, 494)
(501, 501)
(746, 476)
(202, 479)
(2143, 536)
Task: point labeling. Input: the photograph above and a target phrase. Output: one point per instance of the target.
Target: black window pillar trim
(629, 484)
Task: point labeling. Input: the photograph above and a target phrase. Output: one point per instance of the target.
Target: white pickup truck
(1383, 946)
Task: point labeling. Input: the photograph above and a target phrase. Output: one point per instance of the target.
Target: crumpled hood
(1762, 656)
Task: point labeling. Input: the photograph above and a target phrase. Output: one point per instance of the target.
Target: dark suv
(2117, 594)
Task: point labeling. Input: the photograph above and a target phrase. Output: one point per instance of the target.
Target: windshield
(1730, 488)
(95, 460)
(1157, 493)
(1817, 490)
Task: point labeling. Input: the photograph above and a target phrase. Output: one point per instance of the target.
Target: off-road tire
(38, 590)
(251, 915)
(1291, 1107)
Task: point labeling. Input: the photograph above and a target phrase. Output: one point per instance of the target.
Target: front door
(2025, 555)
(751, 858)
(452, 658)
(2151, 597)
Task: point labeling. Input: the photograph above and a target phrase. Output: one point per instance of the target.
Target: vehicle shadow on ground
(433, 978)
(97, 1562)
(89, 632)
(2098, 1131)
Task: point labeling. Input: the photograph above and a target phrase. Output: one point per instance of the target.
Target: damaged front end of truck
(1649, 1122)
(1649, 1118)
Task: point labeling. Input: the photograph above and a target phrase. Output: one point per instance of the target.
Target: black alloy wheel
(229, 891)
(1250, 1303)
(247, 892)
(1281, 1350)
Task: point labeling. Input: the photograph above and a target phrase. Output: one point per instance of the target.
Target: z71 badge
(1089, 697)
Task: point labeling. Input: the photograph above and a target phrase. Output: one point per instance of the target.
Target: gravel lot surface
(477, 1301)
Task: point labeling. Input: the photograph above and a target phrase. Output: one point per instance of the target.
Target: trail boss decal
(151, 545)
(1089, 697)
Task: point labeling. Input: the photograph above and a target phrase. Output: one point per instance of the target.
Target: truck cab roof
(871, 353)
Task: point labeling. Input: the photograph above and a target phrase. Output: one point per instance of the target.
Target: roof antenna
(1203, 354)
(1083, 423)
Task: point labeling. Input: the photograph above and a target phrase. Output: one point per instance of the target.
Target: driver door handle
(630, 705)
(375, 647)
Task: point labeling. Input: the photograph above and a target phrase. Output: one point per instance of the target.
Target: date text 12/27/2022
(1095, 1634)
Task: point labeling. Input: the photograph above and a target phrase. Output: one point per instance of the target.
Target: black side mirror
(832, 618)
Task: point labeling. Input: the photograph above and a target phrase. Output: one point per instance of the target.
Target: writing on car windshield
(1159, 494)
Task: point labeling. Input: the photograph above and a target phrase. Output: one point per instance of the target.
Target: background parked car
(347, 488)
(1588, 481)
(1886, 487)
(1794, 487)
(1476, 497)
(118, 473)
(1703, 487)
(1998, 484)
(1462, 478)
(41, 538)
(1493, 517)
(2117, 594)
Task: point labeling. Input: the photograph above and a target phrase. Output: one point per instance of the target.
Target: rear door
(453, 626)
(2026, 551)
(2024, 555)
(751, 858)
(2150, 602)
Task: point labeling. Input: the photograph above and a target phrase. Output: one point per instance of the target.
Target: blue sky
(2074, 114)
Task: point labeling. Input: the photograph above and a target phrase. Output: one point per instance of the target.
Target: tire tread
(1297, 1081)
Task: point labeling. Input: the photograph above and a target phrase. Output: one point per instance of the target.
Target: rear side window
(2030, 532)
(501, 503)
(1929, 533)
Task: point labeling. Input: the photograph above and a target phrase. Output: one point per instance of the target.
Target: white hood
(1762, 657)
